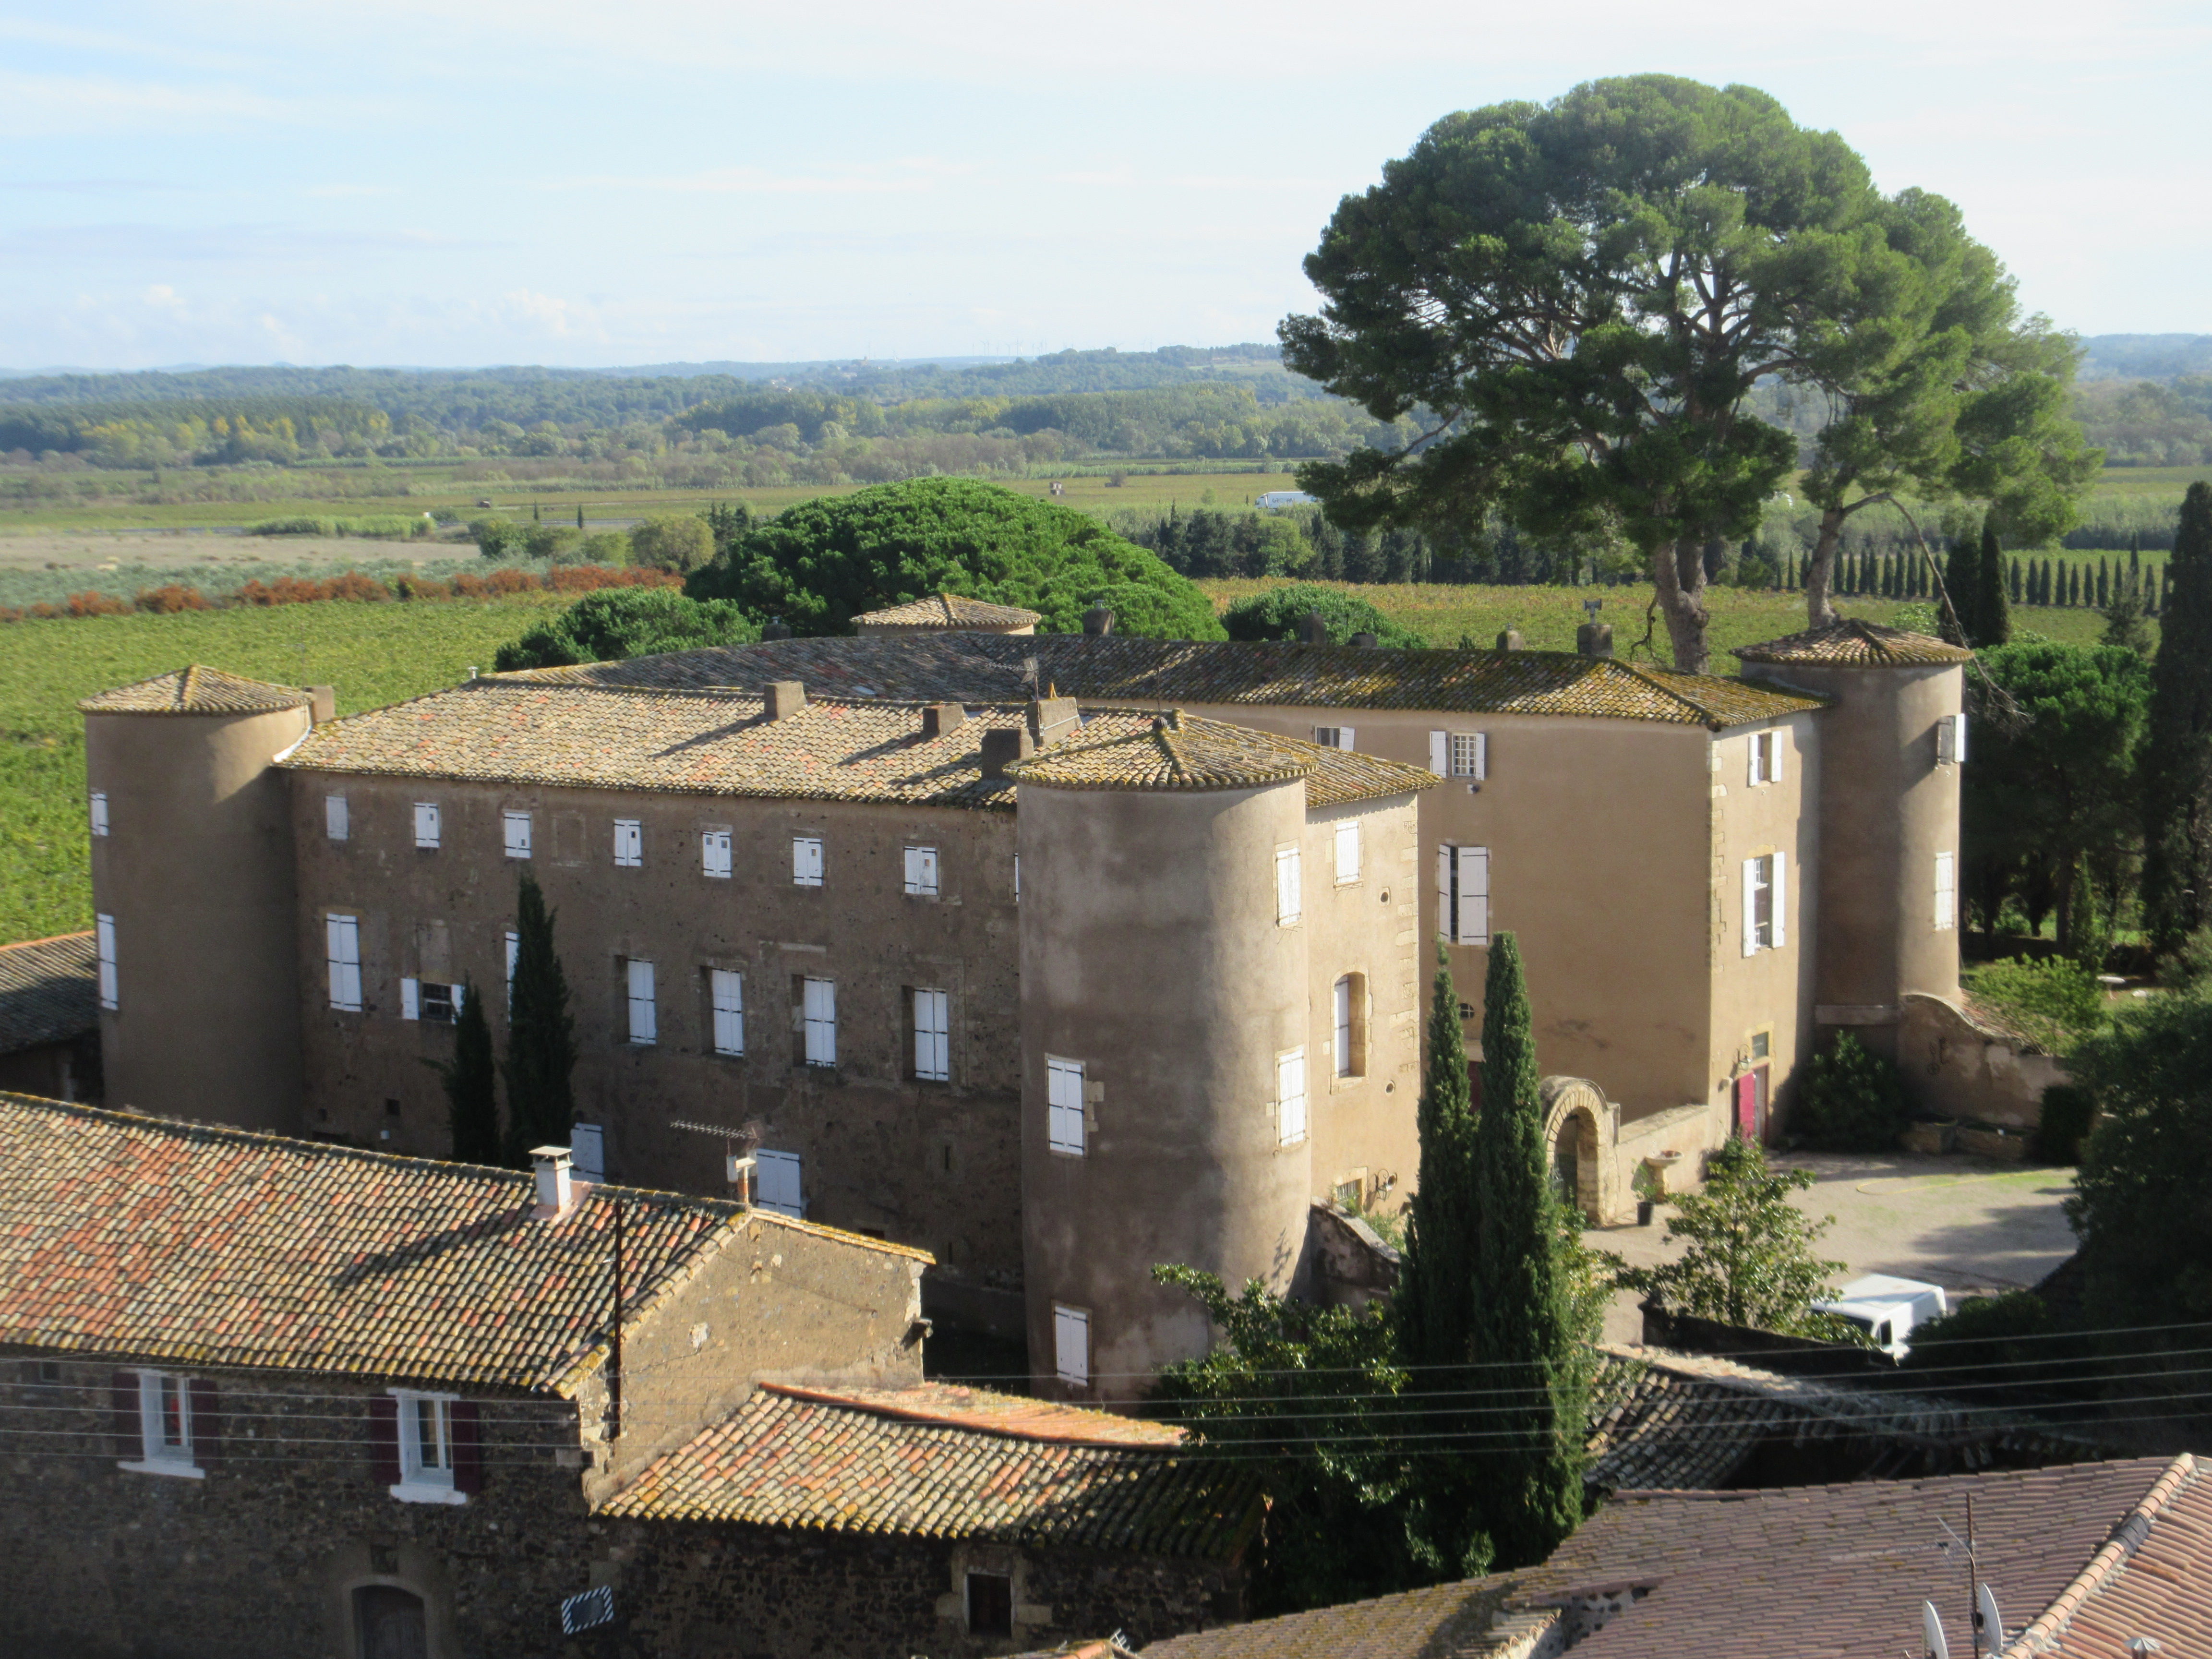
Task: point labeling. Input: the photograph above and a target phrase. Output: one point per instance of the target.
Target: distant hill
(2145, 356)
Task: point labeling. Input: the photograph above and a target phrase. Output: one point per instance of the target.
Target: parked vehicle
(1887, 1309)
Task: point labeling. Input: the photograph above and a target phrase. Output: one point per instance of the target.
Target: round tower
(192, 882)
(1891, 747)
(1164, 984)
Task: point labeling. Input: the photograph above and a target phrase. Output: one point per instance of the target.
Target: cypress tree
(2014, 583)
(470, 1079)
(537, 515)
(2104, 585)
(580, 515)
(2176, 876)
(2076, 585)
(1525, 1324)
(1992, 610)
(1962, 581)
(541, 1034)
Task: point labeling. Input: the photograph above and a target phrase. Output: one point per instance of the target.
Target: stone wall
(1956, 1067)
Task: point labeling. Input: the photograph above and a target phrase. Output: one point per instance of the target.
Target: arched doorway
(390, 1623)
(1573, 1163)
(1580, 1129)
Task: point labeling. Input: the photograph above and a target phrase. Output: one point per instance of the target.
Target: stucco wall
(196, 870)
(1953, 1067)
(926, 1163)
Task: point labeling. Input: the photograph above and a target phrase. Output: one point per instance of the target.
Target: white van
(1887, 1309)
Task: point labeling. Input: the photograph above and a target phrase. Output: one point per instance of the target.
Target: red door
(1747, 1105)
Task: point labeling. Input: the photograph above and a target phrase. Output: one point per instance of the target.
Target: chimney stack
(1098, 619)
(942, 717)
(1509, 639)
(1002, 746)
(1313, 630)
(322, 702)
(776, 630)
(1051, 718)
(557, 1186)
(1595, 639)
(1366, 642)
(782, 699)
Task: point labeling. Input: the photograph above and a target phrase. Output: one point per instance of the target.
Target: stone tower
(192, 882)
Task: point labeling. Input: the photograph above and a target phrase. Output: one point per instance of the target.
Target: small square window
(990, 1604)
(165, 1411)
(428, 829)
(806, 860)
(1470, 754)
(427, 1450)
(629, 843)
(1761, 1043)
(441, 1002)
(714, 853)
(921, 872)
(1333, 737)
(516, 828)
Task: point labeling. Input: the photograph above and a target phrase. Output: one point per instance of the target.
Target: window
(714, 852)
(1946, 891)
(1333, 737)
(726, 994)
(100, 811)
(1765, 924)
(429, 999)
(1463, 894)
(1350, 1039)
(776, 1183)
(819, 1020)
(1766, 757)
(426, 823)
(990, 1604)
(1071, 1345)
(514, 955)
(1017, 878)
(1287, 886)
(103, 933)
(1470, 755)
(1951, 739)
(630, 844)
(1347, 853)
(932, 1036)
(644, 1018)
(516, 827)
(426, 1448)
(1762, 1045)
(806, 860)
(921, 872)
(1291, 1097)
(1063, 1093)
(337, 820)
(341, 936)
(168, 1408)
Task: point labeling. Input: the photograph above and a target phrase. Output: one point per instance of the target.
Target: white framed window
(1347, 852)
(514, 955)
(1946, 891)
(1065, 1129)
(1463, 894)
(714, 853)
(1766, 896)
(1071, 1345)
(342, 940)
(726, 993)
(1950, 740)
(103, 939)
(337, 818)
(98, 811)
(1289, 886)
(165, 1424)
(1470, 755)
(427, 827)
(1766, 757)
(430, 999)
(644, 1014)
(921, 872)
(776, 1185)
(1291, 1097)
(806, 860)
(1349, 995)
(818, 1018)
(425, 1448)
(1333, 737)
(515, 829)
(932, 1036)
(629, 843)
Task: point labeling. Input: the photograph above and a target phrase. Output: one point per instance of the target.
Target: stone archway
(1581, 1128)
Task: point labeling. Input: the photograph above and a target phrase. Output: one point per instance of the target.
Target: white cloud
(35, 104)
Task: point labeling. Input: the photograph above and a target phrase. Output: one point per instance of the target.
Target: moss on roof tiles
(1179, 751)
(1854, 643)
(950, 611)
(196, 690)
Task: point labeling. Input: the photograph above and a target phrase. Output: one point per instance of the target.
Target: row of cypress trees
(541, 1052)
(2054, 582)
(2177, 876)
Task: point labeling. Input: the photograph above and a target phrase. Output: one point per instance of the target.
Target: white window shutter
(1291, 1097)
(1071, 1345)
(1481, 756)
(410, 999)
(338, 823)
(588, 1151)
(427, 827)
(1959, 739)
(932, 1036)
(1343, 736)
(1776, 741)
(1751, 907)
(1440, 752)
(1474, 894)
(460, 995)
(644, 1011)
(1779, 899)
(1064, 1122)
(1446, 927)
(341, 936)
(104, 945)
(100, 811)
(1348, 851)
(1288, 898)
(1756, 774)
(513, 950)
(728, 992)
(776, 1185)
(516, 826)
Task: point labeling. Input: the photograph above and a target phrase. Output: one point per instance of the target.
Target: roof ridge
(944, 1420)
(1652, 679)
(2047, 1630)
(51, 938)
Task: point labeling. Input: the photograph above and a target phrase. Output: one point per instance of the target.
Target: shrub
(43, 612)
(2063, 1122)
(558, 543)
(679, 543)
(97, 605)
(293, 527)
(628, 622)
(2054, 1003)
(1851, 1100)
(498, 539)
(171, 598)
(352, 584)
(591, 577)
(422, 587)
(511, 581)
(1279, 613)
(1988, 1340)
(610, 547)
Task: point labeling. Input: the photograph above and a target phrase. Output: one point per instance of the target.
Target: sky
(571, 182)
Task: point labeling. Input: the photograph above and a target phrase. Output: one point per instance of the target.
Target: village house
(49, 1018)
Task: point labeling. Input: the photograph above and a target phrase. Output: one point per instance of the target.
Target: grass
(373, 653)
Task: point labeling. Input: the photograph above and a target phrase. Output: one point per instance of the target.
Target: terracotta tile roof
(197, 690)
(49, 991)
(1109, 668)
(2153, 1579)
(950, 611)
(1176, 750)
(952, 1464)
(1853, 643)
(1464, 1620)
(208, 1245)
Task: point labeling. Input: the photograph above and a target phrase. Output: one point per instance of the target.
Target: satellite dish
(1990, 1634)
(1931, 1630)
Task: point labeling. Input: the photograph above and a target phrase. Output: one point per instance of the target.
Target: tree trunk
(1820, 567)
(1678, 572)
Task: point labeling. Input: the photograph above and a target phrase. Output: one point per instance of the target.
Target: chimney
(942, 717)
(777, 629)
(1366, 642)
(782, 699)
(1051, 718)
(1098, 619)
(322, 703)
(1595, 639)
(1002, 746)
(1312, 631)
(556, 1187)
(1509, 639)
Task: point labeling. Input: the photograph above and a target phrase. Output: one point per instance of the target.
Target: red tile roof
(1856, 643)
